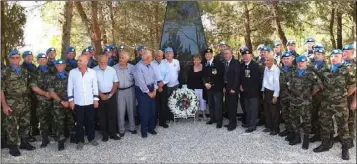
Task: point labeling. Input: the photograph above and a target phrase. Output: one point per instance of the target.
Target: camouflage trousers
(285, 111)
(351, 118)
(300, 114)
(43, 112)
(17, 123)
(340, 112)
(33, 120)
(63, 121)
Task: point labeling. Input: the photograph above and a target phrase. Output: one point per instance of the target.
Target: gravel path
(185, 142)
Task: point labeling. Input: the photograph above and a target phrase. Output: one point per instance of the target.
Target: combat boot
(45, 141)
(61, 145)
(315, 138)
(345, 153)
(296, 140)
(73, 138)
(325, 146)
(14, 151)
(305, 143)
(331, 142)
(26, 145)
(350, 143)
(337, 139)
(289, 137)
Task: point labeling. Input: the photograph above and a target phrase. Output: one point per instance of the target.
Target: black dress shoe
(164, 125)
(245, 126)
(226, 126)
(249, 130)
(210, 122)
(219, 126)
(105, 138)
(31, 139)
(153, 132)
(115, 137)
(144, 135)
(133, 132)
(121, 134)
(14, 151)
(231, 128)
(273, 133)
(266, 130)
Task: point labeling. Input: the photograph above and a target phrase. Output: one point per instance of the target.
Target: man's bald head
(147, 56)
(269, 60)
(82, 61)
(123, 57)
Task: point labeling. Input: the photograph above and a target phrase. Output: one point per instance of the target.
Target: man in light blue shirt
(163, 73)
(145, 92)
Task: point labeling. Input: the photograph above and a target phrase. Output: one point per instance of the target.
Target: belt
(106, 93)
(125, 88)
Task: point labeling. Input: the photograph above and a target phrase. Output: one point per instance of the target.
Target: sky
(37, 34)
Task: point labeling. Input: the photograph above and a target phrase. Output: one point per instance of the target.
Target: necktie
(226, 71)
(335, 67)
(285, 68)
(61, 75)
(299, 72)
(16, 69)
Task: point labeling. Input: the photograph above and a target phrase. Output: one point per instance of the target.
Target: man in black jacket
(250, 80)
(213, 80)
(231, 79)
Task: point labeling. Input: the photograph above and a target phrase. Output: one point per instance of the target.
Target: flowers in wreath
(183, 103)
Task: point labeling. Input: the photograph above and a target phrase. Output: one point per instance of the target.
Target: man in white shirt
(107, 85)
(174, 66)
(271, 89)
(82, 90)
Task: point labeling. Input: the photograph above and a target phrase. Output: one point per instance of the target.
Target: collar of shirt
(210, 61)
(248, 62)
(229, 61)
(272, 68)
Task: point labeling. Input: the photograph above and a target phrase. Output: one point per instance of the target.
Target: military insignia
(288, 83)
(52, 49)
(30, 53)
(247, 73)
(214, 71)
(72, 49)
(208, 50)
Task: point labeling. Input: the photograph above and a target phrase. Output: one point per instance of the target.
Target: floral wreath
(183, 103)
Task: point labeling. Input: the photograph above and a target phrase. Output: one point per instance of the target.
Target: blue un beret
(286, 54)
(90, 48)
(260, 47)
(50, 50)
(86, 50)
(290, 42)
(13, 52)
(309, 40)
(348, 47)
(336, 51)
(26, 53)
(107, 49)
(169, 49)
(301, 58)
(41, 55)
(138, 48)
(318, 45)
(320, 50)
(71, 49)
(244, 50)
(266, 48)
(277, 43)
(60, 61)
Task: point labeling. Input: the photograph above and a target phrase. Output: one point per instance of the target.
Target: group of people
(277, 87)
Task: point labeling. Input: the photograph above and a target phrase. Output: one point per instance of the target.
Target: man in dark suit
(250, 87)
(213, 80)
(231, 79)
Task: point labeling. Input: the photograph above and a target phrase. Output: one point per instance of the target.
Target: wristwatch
(110, 95)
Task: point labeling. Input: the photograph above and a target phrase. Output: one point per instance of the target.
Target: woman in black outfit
(195, 82)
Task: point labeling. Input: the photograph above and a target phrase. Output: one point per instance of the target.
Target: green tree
(13, 19)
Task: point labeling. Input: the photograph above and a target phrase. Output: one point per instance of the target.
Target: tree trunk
(247, 39)
(111, 12)
(95, 28)
(339, 28)
(332, 21)
(101, 22)
(92, 26)
(66, 27)
(278, 25)
(157, 25)
(4, 51)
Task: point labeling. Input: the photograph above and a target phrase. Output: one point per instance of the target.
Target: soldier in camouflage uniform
(39, 85)
(51, 54)
(286, 71)
(89, 52)
(348, 51)
(109, 51)
(303, 84)
(31, 68)
(63, 118)
(14, 101)
(339, 82)
(70, 59)
(318, 65)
